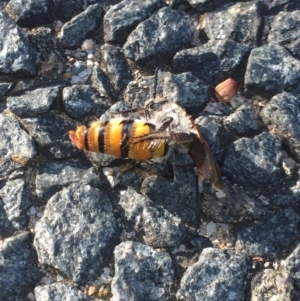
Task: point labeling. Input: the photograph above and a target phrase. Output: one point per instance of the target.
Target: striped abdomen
(119, 138)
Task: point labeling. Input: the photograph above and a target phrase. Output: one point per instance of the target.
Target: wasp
(165, 127)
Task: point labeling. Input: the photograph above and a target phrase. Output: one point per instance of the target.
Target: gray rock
(272, 285)
(278, 5)
(53, 176)
(34, 102)
(17, 55)
(240, 22)
(83, 101)
(285, 29)
(282, 114)
(66, 9)
(4, 88)
(237, 205)
(14, 204)
(18, 267)
(158, 38)
(124, 16)
(217, 275)
(30, 13)
(59, 291)
(270, 237)
(271, 68)
(141, 273)
(185, 89)
(253, 163)
(50, 131)
(158, 227)
(102, 84)
(179, 196)
(74, 32)
(207, 5)
(292, 264)
(77, 232)
(44, 39)
(13, 141)
(244, 121)
(213, 61)
(112, 60)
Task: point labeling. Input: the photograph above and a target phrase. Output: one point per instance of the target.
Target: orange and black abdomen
(119, 138)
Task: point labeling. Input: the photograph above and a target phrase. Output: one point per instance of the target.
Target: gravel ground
(77, 225)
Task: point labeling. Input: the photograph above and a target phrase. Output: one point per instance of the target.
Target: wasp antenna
(155, 81)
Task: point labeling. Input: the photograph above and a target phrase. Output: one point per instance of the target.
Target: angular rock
(276, 6)
(241, 22)
(159, 228)
(83, 101)
(281, 114)
(53, 176)
(178, 196)
(271, 68)
(270, 237)
(253, 163)
(74, 32)
(14, 204)
(101, 83)
(213, 61)
(18, 267)
(235, 205)
(292, 264)
(30, 13)
(184, 89)
(158, 38)
(17, 55)
(44, 39)
(123, 17)
(4, 88)
(141, 273)
(217, 275)
(285, 29)
(34, 102)
(272, 285)
(112, 60)
(61, 291)
(244, 121)
(207, 5)
(77, 232)
(13, 141)
(50, 131)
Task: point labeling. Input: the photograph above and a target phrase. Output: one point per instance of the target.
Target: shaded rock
(244, 121)
(34, 102)
(158, 38)
(13, 140)
(213, 61)
(285, 29)
(160, 228)
(61, 291)
(112, 60)
(240, 22)
(235, 205)
(4, 88)
(278, 5)
(102, 84)
(66, 9)
(30, 13)
(254, 162)
(77, 232)
(272, 285)
(292, 264)
(50, 131)
(74, 32)
(281, 113)
(14, 204)
(44, 40)
(269, 237)
(207, 5)
(17, 55)
(141, 273)
(18, 267)
(123, 17)
(83, 101)
(271, 68)
(217, 275)
(184, 89)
